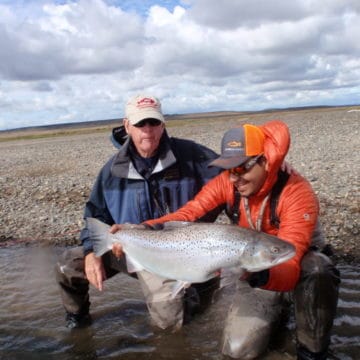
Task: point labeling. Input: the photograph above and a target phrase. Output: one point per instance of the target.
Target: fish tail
(100, 236)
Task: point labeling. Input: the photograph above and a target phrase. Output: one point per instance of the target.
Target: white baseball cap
(142, 107)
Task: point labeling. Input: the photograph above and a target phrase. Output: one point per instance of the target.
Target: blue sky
(71, 61)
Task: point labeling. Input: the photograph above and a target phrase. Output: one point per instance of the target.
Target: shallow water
(32, 319)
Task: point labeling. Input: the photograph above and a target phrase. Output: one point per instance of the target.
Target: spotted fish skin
(191, 252)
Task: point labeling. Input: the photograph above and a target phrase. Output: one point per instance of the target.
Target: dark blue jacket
(121, 195)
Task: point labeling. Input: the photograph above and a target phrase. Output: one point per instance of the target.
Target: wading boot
(76, 321)
(304, 354)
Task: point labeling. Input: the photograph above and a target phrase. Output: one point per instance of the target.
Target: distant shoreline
(104, 125)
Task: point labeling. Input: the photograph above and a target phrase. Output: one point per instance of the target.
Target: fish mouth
(286, 256)
(274, 261)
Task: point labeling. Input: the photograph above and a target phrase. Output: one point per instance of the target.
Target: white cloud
(231, 14)
(80, 60)
(75, 38)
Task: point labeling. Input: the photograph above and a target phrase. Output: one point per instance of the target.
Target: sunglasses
(239, 170)
(150, 122)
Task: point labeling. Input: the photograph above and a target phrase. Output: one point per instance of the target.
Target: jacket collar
(123, 166)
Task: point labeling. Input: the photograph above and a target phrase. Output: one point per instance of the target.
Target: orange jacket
(297, 207)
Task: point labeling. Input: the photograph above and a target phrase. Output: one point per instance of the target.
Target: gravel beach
(46, 182)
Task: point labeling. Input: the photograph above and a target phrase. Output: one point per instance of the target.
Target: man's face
(145, 135)
(250, 182)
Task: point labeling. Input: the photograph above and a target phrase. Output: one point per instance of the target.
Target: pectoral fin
(236, 270)
(132, 265)
(178, 286)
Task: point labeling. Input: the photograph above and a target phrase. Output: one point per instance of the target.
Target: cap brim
(142, 115)
(229, 162)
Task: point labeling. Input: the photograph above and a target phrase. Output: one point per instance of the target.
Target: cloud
(292, 50)
(82, 37)
(233, 14)
(80, 60)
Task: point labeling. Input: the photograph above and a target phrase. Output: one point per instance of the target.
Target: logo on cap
(234, 144)
(146, 102)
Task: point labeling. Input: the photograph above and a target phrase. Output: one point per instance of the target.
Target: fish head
(265, 252)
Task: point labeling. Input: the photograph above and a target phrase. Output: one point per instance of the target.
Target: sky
(80, 60)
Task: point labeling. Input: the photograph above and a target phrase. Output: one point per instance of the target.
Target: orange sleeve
(215, 193)
(298, 210)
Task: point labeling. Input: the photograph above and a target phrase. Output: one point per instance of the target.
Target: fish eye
(275, 250)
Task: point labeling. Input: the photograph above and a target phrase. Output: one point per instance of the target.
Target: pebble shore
(45, 183)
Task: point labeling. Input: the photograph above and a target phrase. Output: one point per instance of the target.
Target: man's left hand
(116, 248)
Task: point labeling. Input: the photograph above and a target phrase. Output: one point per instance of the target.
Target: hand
(285, 166)
(115, 228)
(116, 248)
(94, 270)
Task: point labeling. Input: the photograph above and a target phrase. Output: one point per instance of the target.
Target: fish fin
(236, 270)
(133, 265)
(176, 224)
(230, 276)
(99, 235)
(178, 286)
(129, 226)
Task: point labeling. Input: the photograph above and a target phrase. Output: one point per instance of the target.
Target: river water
(32, 319)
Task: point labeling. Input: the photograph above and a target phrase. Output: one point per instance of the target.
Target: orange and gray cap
(141, 107)
(239, 145)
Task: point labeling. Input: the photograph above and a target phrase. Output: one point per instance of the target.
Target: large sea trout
(191, 252)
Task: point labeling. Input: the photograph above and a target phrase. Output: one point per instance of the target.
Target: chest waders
(254, 312)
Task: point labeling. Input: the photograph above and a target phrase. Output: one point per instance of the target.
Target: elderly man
(150, 176)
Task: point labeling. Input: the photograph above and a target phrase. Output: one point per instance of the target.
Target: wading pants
(255, 312)
(166, 312)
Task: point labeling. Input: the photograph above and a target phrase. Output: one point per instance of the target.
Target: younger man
(252, 156)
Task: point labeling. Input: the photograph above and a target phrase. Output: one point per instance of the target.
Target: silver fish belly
(191, 252)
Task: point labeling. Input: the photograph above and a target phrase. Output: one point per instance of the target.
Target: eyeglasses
(240, 170)
(150, 122)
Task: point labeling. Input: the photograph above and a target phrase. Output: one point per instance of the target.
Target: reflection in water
(32, 319)
(346, 338)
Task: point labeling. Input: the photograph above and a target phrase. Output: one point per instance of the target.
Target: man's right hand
(94, 270)
(116, 248)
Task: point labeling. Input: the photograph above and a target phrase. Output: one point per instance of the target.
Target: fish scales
(192, 252)
(206, 252)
